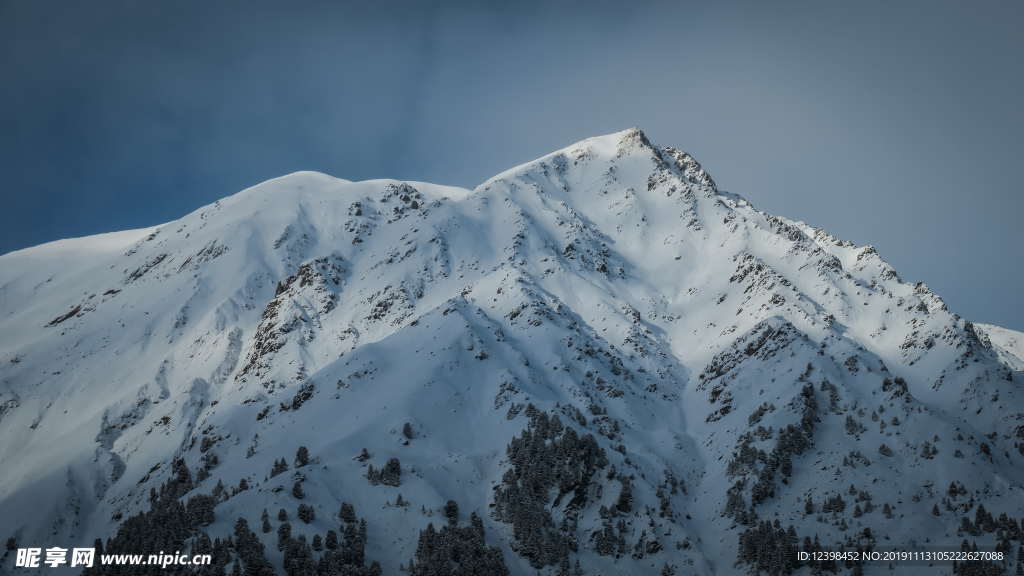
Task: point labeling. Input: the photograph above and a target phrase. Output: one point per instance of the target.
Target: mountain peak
(612, 145)
(634, 137)
(682, 365)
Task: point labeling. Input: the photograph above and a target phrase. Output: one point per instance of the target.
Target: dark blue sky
(891, 123)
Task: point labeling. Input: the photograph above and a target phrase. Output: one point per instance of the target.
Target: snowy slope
(1008, 344)
(609, 283)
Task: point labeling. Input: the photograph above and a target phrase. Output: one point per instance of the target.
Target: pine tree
(786, 467)
(362, 540)
(347, 513)
(624, 504)
(297, 491)
(548, 456)
(451, 512)
(391, 474)
(301, 457)
(284, 534)
(265, 522)
(280, 466)
(199, 510)
(219, 490)
(456, 550)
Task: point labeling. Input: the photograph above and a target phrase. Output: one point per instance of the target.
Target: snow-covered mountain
(619, 368)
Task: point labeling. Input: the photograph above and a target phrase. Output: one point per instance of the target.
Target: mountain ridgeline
(593, 363)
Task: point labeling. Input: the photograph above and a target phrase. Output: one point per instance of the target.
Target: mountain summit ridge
(709, 366)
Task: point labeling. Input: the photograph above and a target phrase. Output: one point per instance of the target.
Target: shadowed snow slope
(731, 366)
